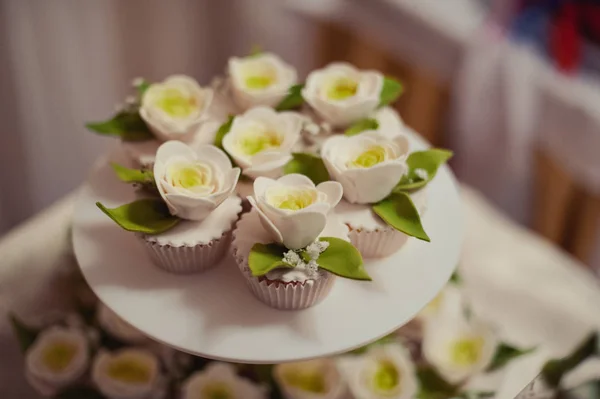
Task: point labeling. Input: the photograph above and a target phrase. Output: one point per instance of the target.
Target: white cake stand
(214, 315)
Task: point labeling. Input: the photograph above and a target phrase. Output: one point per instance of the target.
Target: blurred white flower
(128, 374)
(383, 372)
(262, 79)
(117, 327)
(219, 380)
(458, 346)
(448, 302)
(313, 379)
(58, 357)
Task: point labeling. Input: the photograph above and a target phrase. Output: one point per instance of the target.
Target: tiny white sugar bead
(312, 128)
(326, 126)
(421, 173)
(130, 100)
(312, 268)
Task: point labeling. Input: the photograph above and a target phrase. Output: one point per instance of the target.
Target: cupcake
(176, 109)
(383, 197)
(260, 142)
(291, 247)
(187, 229)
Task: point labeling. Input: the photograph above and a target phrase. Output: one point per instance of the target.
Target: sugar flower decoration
(193, 182)
(58, 357)
(342, 94)
(117, 327)
(219, 380)
(176, 107)
(313, 379)
(128, 374)
(384, 371)
(458, 347)
(292, 209)
(261, 140)
(262, 79)
(368, 165)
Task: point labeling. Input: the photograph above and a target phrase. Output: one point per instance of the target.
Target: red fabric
(565, 41)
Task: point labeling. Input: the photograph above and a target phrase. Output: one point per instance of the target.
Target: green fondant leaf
(361, 126)
(506, 353)
(309, 165)
(293, 99)
(223, 130)
(128, 175)
(342, 259)
(129, 126)
(398, 211)
(554, 370)
(148, 216)
(25, 335)
(428, 161)
(392, 89)
(141, 87)
(265, 257)
(433, 385)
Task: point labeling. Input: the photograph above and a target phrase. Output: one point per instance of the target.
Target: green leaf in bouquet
(342, 259)
(266, 257)
(475, 395)
(554, 370)
(147, 216)
(128, 175)
(127, 125)
(398, 211)
(392, 89)
(422, 168)
(361, 126)
(310, 165)
(79, 392)
(292, 100)
(223, 130)
(25, 335)
(506, 353)
(433, 386)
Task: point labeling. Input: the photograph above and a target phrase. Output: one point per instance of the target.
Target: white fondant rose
(261, 140)
(458, 347)
(117, 327)
(128, 374)
(385, 371)
(313, 379)
(176, 107)
(448, 303)
(368, 165)
(219, 380)
(292, 209)
(193, 182)
(342, 94)
(262, 79)
(58, 357)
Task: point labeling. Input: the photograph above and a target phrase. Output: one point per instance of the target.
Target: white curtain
(64, 62)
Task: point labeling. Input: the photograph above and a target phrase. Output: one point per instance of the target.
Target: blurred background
(511, 86)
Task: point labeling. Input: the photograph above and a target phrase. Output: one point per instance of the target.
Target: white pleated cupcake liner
(286, 296)
(188, 259)
(377, 243)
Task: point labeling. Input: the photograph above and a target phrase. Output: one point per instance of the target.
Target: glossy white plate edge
(449, 196)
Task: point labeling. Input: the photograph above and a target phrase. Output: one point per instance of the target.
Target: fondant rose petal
(333, 191)
(267, 164)
(266, 222)
(295, 179)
